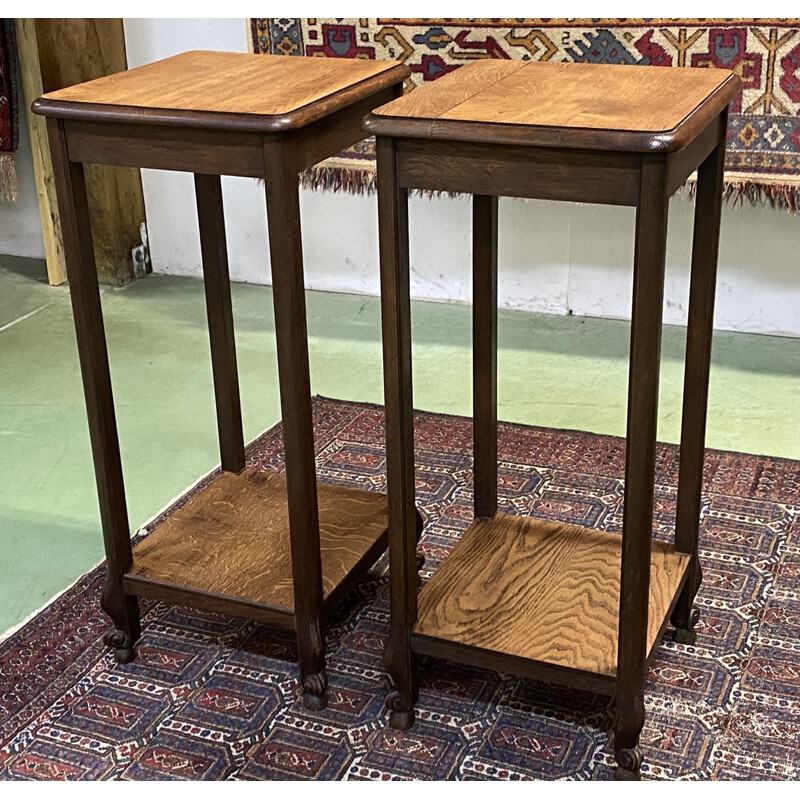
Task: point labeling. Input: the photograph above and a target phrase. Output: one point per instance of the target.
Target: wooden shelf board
(230, 543)
(541, 591)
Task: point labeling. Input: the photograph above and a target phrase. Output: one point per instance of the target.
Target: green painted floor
(560, 372)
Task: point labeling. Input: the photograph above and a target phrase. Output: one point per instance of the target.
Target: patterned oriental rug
(763, 159)
(8, 112)
(212, 697)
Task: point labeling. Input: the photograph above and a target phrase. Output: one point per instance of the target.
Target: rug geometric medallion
(762, 161)
(211, 697)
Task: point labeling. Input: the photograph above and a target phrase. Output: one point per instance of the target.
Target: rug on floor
(763, 154)
(212, 697)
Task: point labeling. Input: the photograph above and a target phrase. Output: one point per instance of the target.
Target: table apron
(157, 147)
(215, 152)
(515, 171)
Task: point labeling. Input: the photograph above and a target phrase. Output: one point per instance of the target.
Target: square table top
(596, 106)
(246, 91)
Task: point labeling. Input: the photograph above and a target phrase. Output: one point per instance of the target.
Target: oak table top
(592, 106)
(209, 89)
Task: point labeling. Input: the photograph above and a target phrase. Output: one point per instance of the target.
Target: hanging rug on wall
(8, 112)
(763, 151)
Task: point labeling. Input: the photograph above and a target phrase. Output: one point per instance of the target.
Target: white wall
(20, 231)
(554, 257)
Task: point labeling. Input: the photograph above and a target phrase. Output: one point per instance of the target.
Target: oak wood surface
(560, 104)
(204, 88)
(541, 591)
(232, 539)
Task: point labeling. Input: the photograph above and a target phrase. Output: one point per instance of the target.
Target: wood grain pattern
(541, 591)
(232, 539)
(561, 104)
(545, 173)
(75, 50)
(31, 71)
(202, 87)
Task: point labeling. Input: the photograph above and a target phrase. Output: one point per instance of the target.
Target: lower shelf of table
(524, 591)
(227, 549)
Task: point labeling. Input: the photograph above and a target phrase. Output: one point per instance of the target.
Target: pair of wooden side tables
(555, 602)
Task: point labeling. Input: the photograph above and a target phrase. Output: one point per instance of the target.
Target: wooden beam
(62, 52)
(42, 165)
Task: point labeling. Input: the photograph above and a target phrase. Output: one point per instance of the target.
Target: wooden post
(55, 53)
(42, 163)
(484, 353)
(640, 462)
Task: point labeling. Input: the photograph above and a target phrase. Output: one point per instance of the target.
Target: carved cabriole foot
(401, 712)
(686, 634)
(120, 642)
(315, 687)
(629, 762)
(124, 612)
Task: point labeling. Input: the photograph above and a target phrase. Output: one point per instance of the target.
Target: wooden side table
(278, 549)
(556, 602)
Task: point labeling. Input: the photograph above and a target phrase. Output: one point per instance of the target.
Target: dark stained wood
(541, 591)
(84, 293)
(513, 595)
(181, 595)
(232, 539)
(481, 658)
(484, 353)
(540, 173)
(324, 101)
(584, 106)
(329, 135)
(152, 147)
(210, 215)
(216, 90)
(214, 152)
(288, 293)
(681, 164)
(643, 374)
(696, 376)
(396, 326)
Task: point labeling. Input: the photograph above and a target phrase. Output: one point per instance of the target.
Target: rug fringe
(785, 197)
(736, 192)
(8, 179)
(339, 179)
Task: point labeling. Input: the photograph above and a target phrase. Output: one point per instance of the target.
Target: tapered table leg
(396, 319)
(484, 353)
(645, 351)
(705, 248)
(286, 256)
(208, 191)
(84, 293)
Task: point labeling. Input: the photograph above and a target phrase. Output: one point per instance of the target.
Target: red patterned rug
(213, 697)
(8, 111)
(763, 153)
